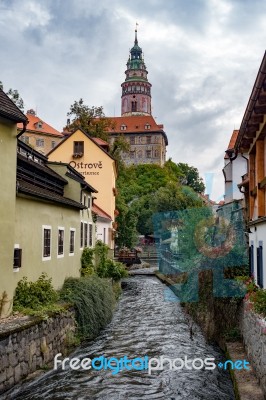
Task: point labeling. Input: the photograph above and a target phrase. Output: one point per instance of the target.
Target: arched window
(140, 154)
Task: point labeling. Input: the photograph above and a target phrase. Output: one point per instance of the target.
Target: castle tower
(136, 90)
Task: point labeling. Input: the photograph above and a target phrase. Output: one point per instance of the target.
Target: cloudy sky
(202, 56)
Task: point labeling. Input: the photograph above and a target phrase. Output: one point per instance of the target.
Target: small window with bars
(78, 148)
(60, 247)
(81, 234)
(17, 258)
(260, 265)
(72, 241)
(90, 235)
(85, 234)
(46, 243)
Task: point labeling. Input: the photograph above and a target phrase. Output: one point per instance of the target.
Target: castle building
(147, 139)
(39, 135)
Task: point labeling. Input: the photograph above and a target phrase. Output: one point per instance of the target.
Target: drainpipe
(23, 130)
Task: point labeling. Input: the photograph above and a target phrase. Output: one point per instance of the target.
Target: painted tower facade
(146, 138)
(136, 90)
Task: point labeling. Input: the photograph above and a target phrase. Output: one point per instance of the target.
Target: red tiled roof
(232, 142)
(97, 210)
(33, 126)
(134, 123)
(100, 142)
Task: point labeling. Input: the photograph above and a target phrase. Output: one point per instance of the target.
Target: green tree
(91, 120)
(191, 177)
(127, 221)
(14, 96)
(145, 190)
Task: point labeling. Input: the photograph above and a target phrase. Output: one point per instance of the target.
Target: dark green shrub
(112, 269)
(259, 300)
(34, 295)
(87, 267)
(93, 299)
(101, 253)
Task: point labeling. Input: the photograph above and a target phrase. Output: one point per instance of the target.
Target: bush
(101, 252)
(93, 299)
(259, 300)
(34, 295)
(112, 269)
(87, 267)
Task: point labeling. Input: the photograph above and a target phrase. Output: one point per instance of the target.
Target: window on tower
(134, 106)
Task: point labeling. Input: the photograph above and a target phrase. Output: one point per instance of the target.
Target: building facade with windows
(45, 212)
(40, 135)
(89, 157)
(250, 145)
(147, 139)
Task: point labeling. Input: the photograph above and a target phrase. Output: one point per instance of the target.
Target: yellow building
(97, 166)
(45, 212)
(10, 115)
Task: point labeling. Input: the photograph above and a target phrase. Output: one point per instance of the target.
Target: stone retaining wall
(31, 344)
(253, 329)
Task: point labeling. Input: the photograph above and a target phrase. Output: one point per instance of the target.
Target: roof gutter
(252, 100)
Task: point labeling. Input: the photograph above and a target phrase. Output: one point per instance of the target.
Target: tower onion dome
(136, 60)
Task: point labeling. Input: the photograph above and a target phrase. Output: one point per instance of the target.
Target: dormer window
(147, 126)
(38, 125)
(123, 127)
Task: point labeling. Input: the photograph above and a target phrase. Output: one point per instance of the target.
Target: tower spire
(136, 34)
(136, 89)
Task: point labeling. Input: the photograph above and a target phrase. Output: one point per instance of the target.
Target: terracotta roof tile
(135, 123)
(45, 129)
(9, 110)
(100, 142)
(232, 142)
(97, 210)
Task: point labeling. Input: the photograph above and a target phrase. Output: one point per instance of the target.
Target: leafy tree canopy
(191, 177)
(147, 189)
(14, 96)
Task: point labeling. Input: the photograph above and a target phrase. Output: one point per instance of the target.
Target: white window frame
(50, 228)
(60, 228)
(72, 230)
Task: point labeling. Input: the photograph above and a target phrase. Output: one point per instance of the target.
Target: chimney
(31, 112)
